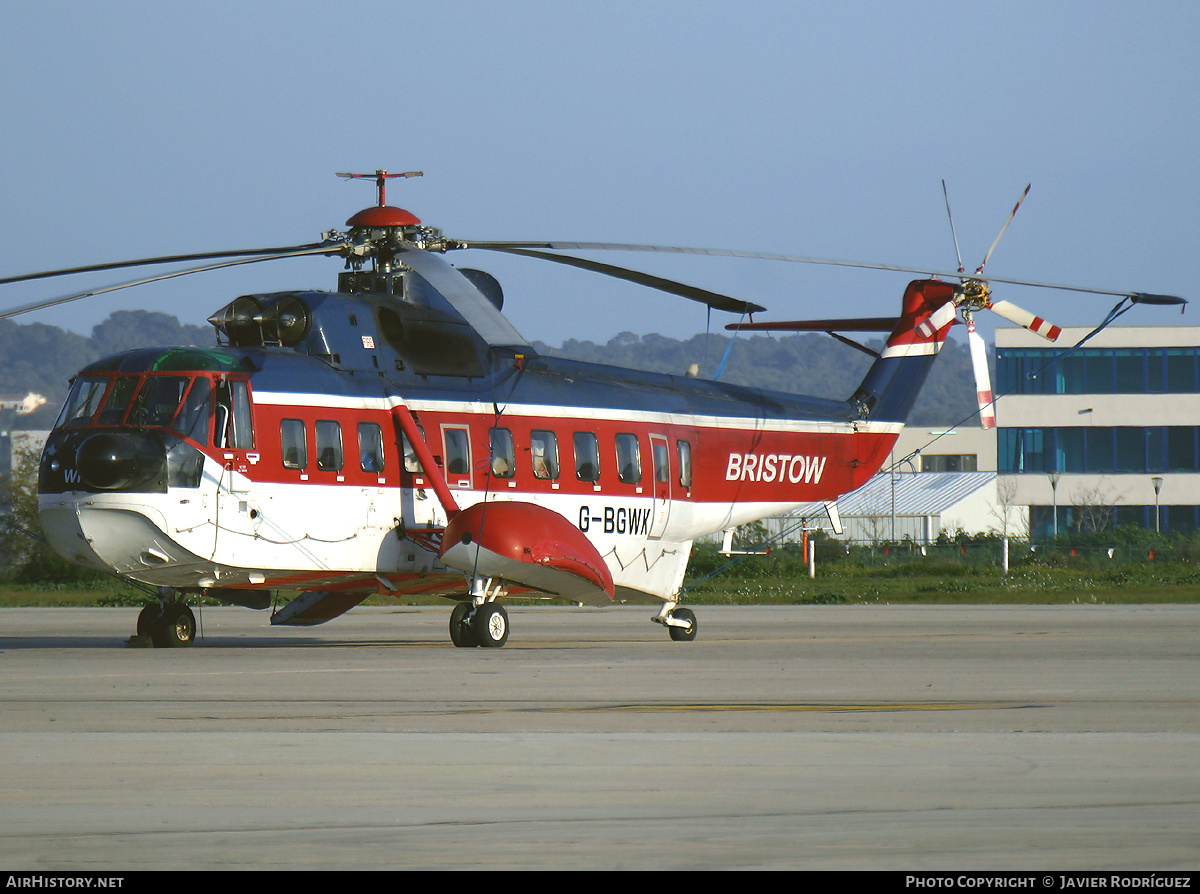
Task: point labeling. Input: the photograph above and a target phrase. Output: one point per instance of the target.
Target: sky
(136, 129)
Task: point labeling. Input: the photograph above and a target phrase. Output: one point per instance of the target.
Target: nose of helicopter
(116, 460)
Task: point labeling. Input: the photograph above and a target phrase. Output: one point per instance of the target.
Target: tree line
(41, 358)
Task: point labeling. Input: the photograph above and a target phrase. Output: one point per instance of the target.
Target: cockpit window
(82, 401)
(181, 403)
(118, 400)
(192, 420)
(157, 401)
(233, 428)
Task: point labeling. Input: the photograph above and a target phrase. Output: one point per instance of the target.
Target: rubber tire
(176, 629)
(683, 634)
(490, 625)
(148, 619)
(462, 634)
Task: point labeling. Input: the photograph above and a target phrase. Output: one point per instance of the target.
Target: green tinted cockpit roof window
(171, 360)
(196, 359)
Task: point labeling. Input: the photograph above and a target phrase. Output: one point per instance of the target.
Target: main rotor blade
(704, 296)
(953, 232)
(996, 241)
(53, 302)
(483, 316)
(798, 259)
(166, 259)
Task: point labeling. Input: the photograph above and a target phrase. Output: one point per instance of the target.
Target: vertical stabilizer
(891, 386)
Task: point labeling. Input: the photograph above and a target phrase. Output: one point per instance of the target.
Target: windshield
(179, 402)
(82, 401)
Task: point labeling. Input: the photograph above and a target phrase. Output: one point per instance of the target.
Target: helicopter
(399, 436)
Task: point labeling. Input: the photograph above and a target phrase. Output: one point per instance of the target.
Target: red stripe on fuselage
(729, 463)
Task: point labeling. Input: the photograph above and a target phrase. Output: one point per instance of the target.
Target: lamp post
(1157, 482)
(1054, 476)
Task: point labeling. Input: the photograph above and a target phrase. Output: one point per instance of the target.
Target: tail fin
(891, 386)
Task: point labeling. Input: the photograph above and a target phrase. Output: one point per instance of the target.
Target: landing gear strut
(480, 621)
(167, 624)
(680, 622)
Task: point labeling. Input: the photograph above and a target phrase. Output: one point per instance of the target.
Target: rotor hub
(973, 294)
(383, 216)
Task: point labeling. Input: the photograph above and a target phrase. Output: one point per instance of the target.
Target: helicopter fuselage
(236, 468)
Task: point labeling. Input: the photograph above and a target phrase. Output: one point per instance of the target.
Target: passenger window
(412, 465)
(370, 446)
(685, 463)
(292, 440)
(329, 446)
(504, 458)
(458, 452)
(587, 456)
(662, 470)
(543, 446)
(629, 459)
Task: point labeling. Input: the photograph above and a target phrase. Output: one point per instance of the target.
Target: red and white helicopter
(400, 436)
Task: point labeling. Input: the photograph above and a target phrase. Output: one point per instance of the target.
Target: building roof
(917, 493)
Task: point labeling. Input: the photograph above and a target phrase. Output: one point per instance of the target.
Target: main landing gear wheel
(148, 618)
(462, 634)
(683, 634)
(490, 625)
(175, 628)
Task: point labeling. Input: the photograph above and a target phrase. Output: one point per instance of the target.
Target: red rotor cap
(383, 216)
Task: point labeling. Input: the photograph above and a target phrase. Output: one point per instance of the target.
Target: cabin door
(661, 458)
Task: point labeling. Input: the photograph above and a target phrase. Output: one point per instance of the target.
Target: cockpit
(139, 421)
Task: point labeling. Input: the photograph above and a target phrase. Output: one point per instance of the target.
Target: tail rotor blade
(1024, 318)
(983, 380)
(943, 316)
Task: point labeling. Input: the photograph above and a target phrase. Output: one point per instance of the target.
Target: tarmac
(918, 738)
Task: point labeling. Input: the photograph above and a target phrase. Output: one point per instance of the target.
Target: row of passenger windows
(330, 456)
(544, 456)
(543, 453)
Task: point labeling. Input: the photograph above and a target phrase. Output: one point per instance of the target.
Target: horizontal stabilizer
(862, 324)
(835, 517)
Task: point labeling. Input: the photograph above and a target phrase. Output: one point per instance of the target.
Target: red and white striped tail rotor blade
(1024, 318)
(983, 380)
(943, 316)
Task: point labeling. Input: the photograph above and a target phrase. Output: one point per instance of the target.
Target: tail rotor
(973, 295)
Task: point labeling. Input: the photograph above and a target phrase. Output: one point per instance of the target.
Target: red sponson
(514, 534)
